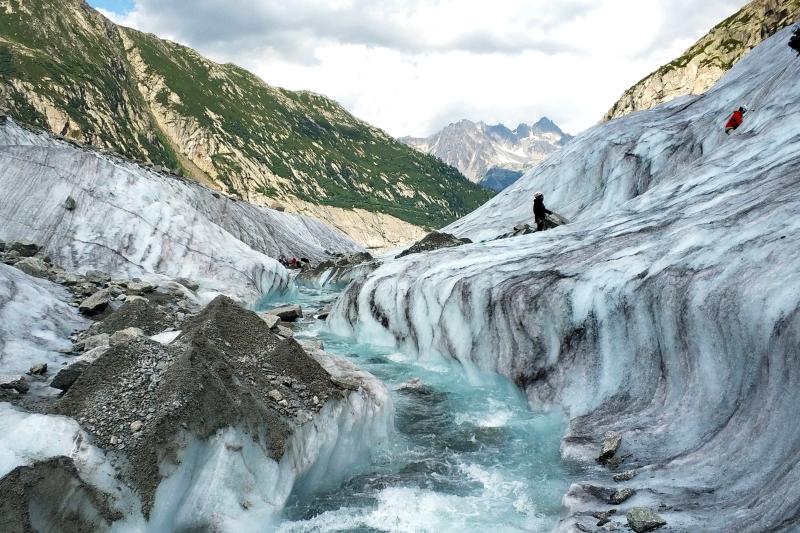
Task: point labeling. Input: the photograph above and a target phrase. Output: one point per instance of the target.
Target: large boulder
(33, 266)
(96, 303)
(24, 248)
(434, 241)
(611, 443)
(290, 313)
(68, 375)
(218, 374)
(642, 519)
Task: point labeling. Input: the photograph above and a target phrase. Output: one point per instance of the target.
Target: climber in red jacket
(736, 120)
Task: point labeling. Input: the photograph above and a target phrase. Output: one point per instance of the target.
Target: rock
(33, 266)
(621, 495)
(641, 519)
(136, 312)
(344, 383)
(283, 331)
(323, 314)
(312, 345)
(94, 354)
(24, 248)
(95, 341)
(67, 376)
(189, 284)
(611, 443)
(625, 476)
(70, 204)
(434, 241)
(270, 319)
(289, 313)
(39, 369)
(125, 335)
(140, 287)
(97, 276)
(95, 303)
(114, 440)
(135, 298)
(15, 382)
(275, 395)
(2, 246)
(137, 425)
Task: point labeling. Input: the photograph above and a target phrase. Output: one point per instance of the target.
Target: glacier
(667, 311)
(131, 221)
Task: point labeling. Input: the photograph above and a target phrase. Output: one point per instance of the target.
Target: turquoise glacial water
(468, 454)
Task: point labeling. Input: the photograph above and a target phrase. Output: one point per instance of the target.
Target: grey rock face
(642, 519)
(434, 241)
(24, 248)
(95, 303)
(67, 376)
(611, 443)
(269, 319)
(33, 266)
(289, 313)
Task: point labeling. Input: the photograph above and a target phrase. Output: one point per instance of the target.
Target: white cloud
(412, 66)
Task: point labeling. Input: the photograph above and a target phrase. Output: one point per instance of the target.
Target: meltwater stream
(467, 455)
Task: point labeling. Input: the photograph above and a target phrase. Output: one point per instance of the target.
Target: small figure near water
(736, 120)
(540, 212)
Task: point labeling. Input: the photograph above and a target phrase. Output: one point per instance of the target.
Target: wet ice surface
(468, 454)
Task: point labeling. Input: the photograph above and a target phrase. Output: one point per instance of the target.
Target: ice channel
(467, 454)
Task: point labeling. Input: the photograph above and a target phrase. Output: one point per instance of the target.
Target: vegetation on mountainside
(140, 95)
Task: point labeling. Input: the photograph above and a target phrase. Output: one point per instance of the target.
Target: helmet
(538, 195)
(743, 109)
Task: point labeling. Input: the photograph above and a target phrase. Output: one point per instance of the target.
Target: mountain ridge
(154, 100)
(477, 148)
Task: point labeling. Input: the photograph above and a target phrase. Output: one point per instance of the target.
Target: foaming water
(468, 453)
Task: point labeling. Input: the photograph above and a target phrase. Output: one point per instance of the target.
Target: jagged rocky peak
(702, 65)
(482, 152)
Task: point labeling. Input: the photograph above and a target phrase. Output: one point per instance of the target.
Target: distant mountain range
(494, 156)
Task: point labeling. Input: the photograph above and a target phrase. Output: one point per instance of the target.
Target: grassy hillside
(67, 68)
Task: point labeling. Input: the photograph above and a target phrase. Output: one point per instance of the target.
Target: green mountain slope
(67, 68)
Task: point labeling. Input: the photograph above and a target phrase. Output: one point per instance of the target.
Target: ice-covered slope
(669, 310)
(131, 221)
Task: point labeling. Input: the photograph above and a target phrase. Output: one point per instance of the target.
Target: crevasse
(668, 310)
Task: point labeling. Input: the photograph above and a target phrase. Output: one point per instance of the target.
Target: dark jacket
(539, 210)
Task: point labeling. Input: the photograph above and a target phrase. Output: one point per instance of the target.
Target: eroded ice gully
(668, 310)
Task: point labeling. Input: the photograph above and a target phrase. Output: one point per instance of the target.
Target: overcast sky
(413, 66)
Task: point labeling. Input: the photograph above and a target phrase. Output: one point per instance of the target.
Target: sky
(411, 67)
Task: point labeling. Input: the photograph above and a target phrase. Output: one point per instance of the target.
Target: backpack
(794, 41)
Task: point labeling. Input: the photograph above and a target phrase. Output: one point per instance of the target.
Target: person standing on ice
(794, 42)
(540, 212)
(736, 120)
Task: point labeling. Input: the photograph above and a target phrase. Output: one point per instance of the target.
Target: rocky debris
(60, 499)
(604, 517)
(621, 496)
(284, 332)
(15, 382)
(70, 204)
(433, 241)
(97, 277)
(34, 266)
(289, 313)
(339, 270)
(67, 376)
(275, 395)
(642, 519)
(611, 443)
(270, 319)
(312, 345)
(219, 373)
(24, 248)
(189, 284)
(139, 287)
(550, 222)
(95, 341)
(625, 476)
(39, 369)
(137, 313)
(95, 303)
(125, 335)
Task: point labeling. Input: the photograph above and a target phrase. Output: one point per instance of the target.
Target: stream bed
(467, 453)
